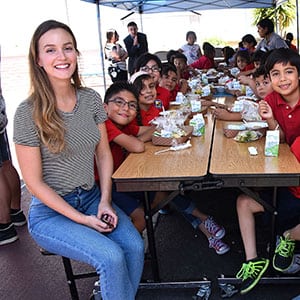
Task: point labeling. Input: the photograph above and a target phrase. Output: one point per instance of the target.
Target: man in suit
(136, 44)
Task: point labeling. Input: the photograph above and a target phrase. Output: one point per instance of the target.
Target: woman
(116, 55)
(57, 132)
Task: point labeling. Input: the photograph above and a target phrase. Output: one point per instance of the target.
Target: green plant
(282, 15)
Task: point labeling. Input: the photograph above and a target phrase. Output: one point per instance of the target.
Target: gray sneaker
(214, 228)
(295, 266)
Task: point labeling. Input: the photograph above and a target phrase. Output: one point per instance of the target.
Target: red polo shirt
(288, 118)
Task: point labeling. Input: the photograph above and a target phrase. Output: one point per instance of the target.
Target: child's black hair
(118, 87)
(138, 82)
(260, 72)
(259, 56)
(170, 55)
(228, 53)
(191, 33)
(168, 67)
(208, 50)
(179, 55)
(284, 56)
(144, 59)
(244, 54)
(250, 39)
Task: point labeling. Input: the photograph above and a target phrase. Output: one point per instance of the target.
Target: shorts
(288, 208)
(4, 148)
(129, 201)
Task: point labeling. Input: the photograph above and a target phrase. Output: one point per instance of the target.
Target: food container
(231, 130)
(170, 141)
(257, 126)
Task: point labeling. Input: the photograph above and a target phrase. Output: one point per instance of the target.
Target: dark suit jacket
(135, 51)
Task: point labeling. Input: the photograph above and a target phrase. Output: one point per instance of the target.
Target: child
(169, 81)
(206, 61)
(243, 62)
(151, 64)
(249, 43)
(258, 58)
(280, 108)
(116, 56)
(191, 50)
(183, 70)
(262, 87)
(121, 106)
(206, 224)
(145, 85)
(228, 54)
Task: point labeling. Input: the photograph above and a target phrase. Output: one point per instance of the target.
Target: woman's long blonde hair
(49, 123)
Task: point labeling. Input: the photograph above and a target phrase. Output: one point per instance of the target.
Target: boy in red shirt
(121, 106)
(281, 109)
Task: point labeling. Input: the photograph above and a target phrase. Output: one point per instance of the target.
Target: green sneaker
(251, 272)
(284, 252)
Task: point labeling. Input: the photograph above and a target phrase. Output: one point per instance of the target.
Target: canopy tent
(158, 6)
(164, 6)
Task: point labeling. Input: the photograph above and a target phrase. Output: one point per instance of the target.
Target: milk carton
(195, 105)
(179, 98)
(199, 125)
(272, 143)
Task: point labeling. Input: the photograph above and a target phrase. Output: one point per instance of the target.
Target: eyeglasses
(153, 69)
(121, 103)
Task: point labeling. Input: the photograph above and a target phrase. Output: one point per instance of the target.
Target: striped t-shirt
(74, 167)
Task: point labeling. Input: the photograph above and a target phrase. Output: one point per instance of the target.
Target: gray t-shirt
(74, 167)
(275, 41)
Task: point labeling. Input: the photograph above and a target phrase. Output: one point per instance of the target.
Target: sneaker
(219, 246)
(283, 257)
(251, 272)
(295, 266)
(18, 218)
(8, 235)
(213, 228)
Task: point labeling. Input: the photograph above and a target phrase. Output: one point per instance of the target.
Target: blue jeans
(288, 208)
(118, 257)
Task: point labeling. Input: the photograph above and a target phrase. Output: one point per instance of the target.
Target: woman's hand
(108, 216)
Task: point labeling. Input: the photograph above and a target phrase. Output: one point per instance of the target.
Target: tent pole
(100, 42)
(141, 21)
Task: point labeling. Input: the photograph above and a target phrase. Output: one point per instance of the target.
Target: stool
(71, 277)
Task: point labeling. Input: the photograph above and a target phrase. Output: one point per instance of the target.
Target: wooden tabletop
(165, 171)
(229, 162)
(231, 159)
